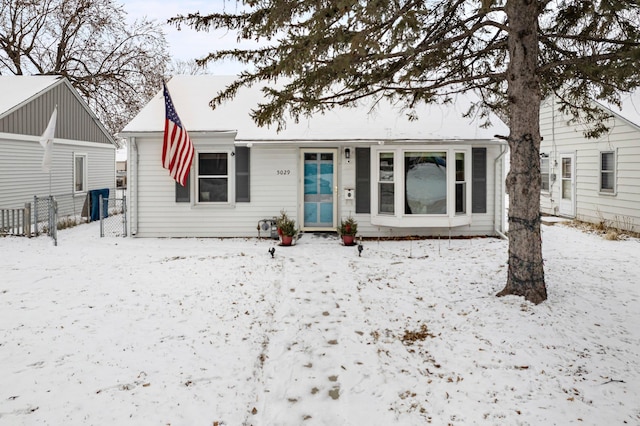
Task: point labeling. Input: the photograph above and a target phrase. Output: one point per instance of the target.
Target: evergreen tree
(512, 52)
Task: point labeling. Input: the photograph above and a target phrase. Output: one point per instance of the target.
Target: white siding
(157, 213)
(154, 212)
(21, 175)
(621, 209)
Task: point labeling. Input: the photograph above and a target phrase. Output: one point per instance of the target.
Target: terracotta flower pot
(287, 240)
(348, 240)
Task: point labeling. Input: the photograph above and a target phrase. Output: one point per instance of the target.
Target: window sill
(423, 221)
(216, 206)
(607, 193)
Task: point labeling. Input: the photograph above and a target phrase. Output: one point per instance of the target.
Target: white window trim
(85, 168)
(231, 179)
(607, 192)
(401, 220)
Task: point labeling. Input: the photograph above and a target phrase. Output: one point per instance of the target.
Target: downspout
(498, 210)
(134, 212)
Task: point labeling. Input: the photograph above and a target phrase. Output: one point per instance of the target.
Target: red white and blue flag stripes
(177, 149)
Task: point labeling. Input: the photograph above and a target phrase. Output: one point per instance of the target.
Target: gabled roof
(18, 90)
(26, 103)
(629, 107)
(191, 96)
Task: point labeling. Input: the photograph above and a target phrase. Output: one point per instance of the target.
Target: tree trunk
(526, 272)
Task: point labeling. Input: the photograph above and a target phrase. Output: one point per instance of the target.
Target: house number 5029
(283, 172)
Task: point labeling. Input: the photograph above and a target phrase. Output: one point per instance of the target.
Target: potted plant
(348, 230)
(281, 219)
(288, 229)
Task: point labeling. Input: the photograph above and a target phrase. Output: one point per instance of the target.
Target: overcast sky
(188, 44)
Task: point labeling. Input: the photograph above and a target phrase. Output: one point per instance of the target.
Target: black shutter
(183, 193)
(242, 174)
(479, 180)
(363, 180)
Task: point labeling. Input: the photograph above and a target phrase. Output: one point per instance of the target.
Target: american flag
(177, 150)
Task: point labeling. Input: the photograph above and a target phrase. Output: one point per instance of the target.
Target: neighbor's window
(79, 172)
(544, 174)
(607, 171)
(213, 177)
(425, 182)
(461, 184)
(386, 185)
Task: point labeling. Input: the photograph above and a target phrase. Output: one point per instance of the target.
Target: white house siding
(21, 175)
(621, 209)
(155, 212)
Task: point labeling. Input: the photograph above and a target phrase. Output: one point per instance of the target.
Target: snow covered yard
(117, 331)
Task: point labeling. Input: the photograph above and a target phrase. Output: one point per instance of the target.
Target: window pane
(460, 167)
(607, 161)
(566, 168)
(544, 174)
(606, 181)
(386, 198)
(386, 167)
(426, 182)
(461, 197)
(79, 182)
(213, 190)
(183, 193)
(212, 164)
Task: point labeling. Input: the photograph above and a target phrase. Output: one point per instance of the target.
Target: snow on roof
(629, 108)
(191, 96)
(16, 89)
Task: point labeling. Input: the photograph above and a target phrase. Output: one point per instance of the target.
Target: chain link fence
(113, 216)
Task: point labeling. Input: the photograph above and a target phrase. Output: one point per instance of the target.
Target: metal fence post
(54, 214)
(35, 214)
(124, 214)
(101, 218)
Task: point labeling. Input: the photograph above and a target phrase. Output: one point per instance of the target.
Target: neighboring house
(594, 180)
(83, 150)
(440, 175)
(121, 173)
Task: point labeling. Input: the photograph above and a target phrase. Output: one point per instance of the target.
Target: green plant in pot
(288, 230)
(280, 220)
(348, 230)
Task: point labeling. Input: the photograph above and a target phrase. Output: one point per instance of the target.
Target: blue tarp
(94, 198)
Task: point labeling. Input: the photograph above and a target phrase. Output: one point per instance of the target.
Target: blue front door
(318, 190)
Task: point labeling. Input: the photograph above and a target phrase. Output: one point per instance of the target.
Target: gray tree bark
(526, 272)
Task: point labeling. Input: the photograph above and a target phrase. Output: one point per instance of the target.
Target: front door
(567, 185)
(319, 189)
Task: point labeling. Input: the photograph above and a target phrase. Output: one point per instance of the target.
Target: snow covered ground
(123, 331)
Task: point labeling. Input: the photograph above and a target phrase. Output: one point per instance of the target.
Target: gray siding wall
(21, 175)
(154, 212)
(74, 121)
(621, 209)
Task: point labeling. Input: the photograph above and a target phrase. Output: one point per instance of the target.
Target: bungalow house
(83, 154)
(593, 180)
(440, 175)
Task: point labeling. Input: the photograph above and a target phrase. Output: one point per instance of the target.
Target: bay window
(415, 188)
